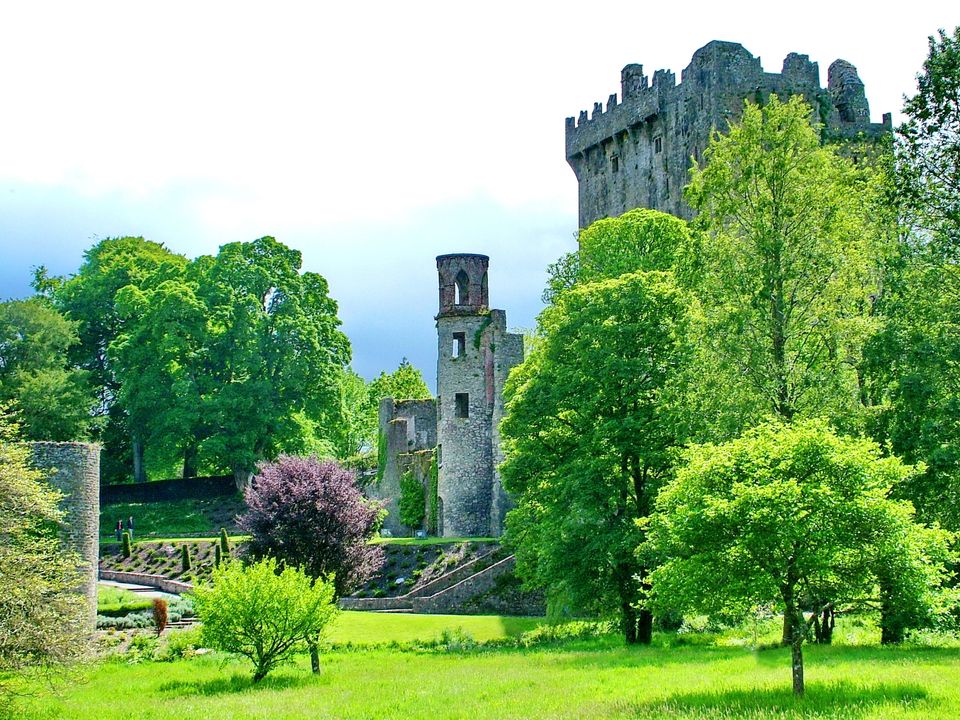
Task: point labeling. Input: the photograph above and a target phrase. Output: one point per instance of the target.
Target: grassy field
(677, 677)
(366, 628)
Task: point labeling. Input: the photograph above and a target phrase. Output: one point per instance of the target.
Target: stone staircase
(444, 594)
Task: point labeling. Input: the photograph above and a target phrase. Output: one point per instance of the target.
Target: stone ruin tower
(474, 355)
(637, 151)
(451, 445)
(74, 469)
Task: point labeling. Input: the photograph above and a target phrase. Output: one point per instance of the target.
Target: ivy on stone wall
(434, 495)
(411, 501)
(381, 455)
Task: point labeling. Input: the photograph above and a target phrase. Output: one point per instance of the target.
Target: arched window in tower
(461, 289)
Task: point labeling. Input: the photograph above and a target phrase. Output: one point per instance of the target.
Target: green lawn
(366, 628)
(579, 679)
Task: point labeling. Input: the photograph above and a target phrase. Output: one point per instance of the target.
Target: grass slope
(173, 518)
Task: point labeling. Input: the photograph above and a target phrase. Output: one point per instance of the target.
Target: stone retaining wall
(160, 582)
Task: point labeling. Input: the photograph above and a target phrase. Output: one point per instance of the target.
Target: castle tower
(74, 469)
(475, 353)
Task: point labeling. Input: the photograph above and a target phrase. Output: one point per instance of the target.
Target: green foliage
(224, 542)
(52, 400)
(929, 147)
(412, 499)
(588, 438)
(125, 549)
(217, 555)
(433, 496)
(784, 271)
(263, 614)
(42, 617)
(184, 558)
(89, 298)
(795, 517)
(637, 240)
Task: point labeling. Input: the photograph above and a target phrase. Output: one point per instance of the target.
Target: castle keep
(450, 445)
(636, 152)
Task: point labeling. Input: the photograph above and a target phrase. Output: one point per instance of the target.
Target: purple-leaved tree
(310, 513)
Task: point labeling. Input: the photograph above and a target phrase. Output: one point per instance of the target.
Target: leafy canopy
(53, 400)
(309, 513)
(588, 438)
(792, 516)
(783, 270)
(42, 616)
(263, 613)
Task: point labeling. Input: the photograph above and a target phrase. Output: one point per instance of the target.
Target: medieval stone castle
(635, 153)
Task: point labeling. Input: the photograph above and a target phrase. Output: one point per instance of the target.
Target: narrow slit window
(615, 163)
(459, 344)
(657, 145)
(462, 405)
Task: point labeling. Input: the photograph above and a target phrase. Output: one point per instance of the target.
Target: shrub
(184, 558)
(182, 644)
(126, 550)
(224, 542)
(159, 614)
(261, 614)
(217, 556)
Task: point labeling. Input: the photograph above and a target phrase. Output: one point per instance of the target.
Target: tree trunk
(190, 457)
(139, 465)
(645, 627)
(314, 658)
(823, 626)
(242, 478)
(628, 617)
(787, 635)
(796, 653)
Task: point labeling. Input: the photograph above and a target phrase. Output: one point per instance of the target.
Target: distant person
(119, 530)
(130, 526)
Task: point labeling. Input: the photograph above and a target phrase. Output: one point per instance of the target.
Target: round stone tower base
(74, 470)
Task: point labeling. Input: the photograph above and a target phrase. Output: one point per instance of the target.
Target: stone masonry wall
(637, 151)
(74, 469)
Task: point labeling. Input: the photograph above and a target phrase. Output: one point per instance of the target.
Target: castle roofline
(450, 256)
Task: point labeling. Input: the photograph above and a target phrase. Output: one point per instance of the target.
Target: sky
(371, 136)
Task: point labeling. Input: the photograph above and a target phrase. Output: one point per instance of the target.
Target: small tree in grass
(790, 515)
(224, 542)
(125, 548)
(309, 513)
(262, 613)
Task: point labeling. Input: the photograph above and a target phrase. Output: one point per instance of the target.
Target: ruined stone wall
(507, 353)
(408, 429)
(74, 469)
(637, 151)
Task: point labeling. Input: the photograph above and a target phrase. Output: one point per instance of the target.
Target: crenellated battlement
(636, 151)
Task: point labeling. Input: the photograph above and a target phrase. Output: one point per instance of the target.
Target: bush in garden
(126, 551)
(224, 542)
(261, 614)
(184, 558)
(159, 614)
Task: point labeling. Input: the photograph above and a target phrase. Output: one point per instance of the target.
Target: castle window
(461, 289)
(615, 163)
(658, 145)
(462, 401)
(459, 344)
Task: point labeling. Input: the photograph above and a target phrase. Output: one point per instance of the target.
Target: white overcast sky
(371, 136)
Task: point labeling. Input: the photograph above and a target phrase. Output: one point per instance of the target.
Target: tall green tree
(52, 400)
(795, 516)
(588, 440)
(89, 298)
(785, 272)
(275, 348)
(929, 146)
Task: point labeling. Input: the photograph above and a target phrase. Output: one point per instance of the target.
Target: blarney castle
(634, 153)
